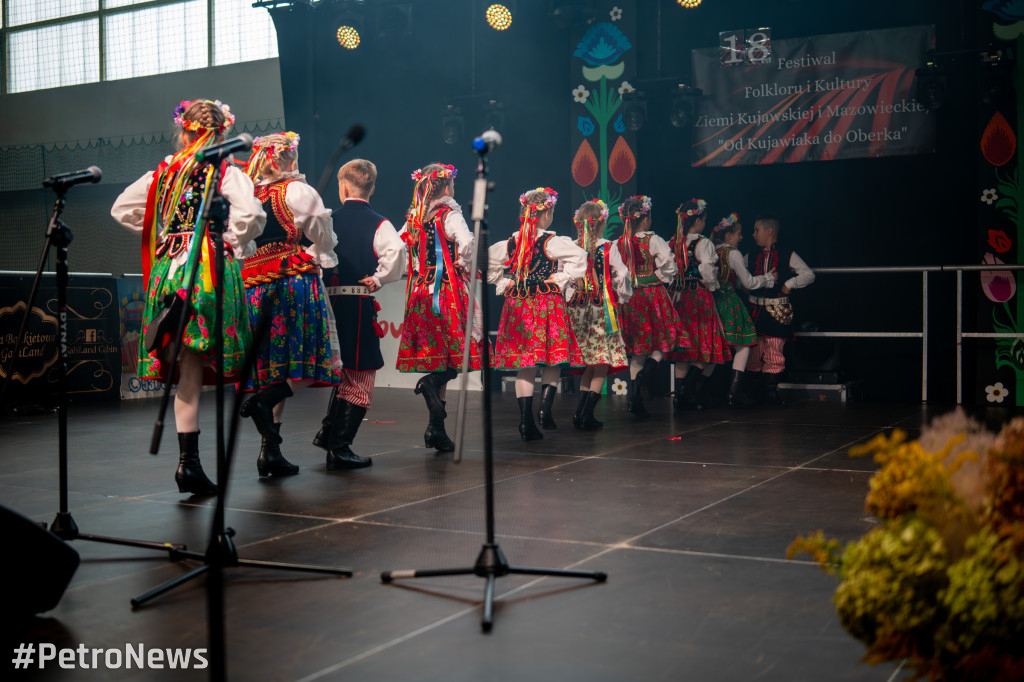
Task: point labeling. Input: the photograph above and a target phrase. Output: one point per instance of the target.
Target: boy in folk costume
(770, 308)
(532, 269)
(695, 281)
(650, 324)
(594, 306)
(372, 257)
(297, 350)
(440, 245)
(164, 207)
(739, 328)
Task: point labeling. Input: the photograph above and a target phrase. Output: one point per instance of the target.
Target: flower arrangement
(548, 203)
(643, 209)
(940, 581)
(727, 222)
(445, 171)
(690, 212)
(594, 219)
(181, 121)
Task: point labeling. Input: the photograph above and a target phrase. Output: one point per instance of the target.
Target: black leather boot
(686, 395)
(190, 476)
(271, 462)
(577, 416)
(547, 399)
(429, 386)
(527, 428)
(260, 407)
(645, 377)
(588, 423)
(436, 437)
(736, 397)
(634, 401)
(771, 390)
(320, 439)
(343, 432)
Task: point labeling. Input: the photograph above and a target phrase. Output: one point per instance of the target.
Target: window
(68, 42)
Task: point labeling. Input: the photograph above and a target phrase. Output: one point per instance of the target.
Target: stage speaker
(38, 567)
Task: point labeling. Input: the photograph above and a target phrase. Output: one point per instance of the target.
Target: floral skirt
(199, 330)
(535, 332)
(297, 345)
(696, 308)
(650, 323)
(597, 345)
(736, 322)
(432, 342)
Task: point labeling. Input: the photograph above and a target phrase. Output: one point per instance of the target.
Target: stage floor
(690, 515)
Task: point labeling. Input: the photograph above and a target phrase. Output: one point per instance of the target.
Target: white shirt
(313, 220)
(620, 273)
(389, 249)
(455, 228)
(737, 263)
(707, 260)
(246, 218)
(664, 261)
(572, 261)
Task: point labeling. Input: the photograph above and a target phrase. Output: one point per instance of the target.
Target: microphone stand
(59, 236)
(221, 551)
(490, 562)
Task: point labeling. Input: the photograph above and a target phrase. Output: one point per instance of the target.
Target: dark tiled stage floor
(692, 533)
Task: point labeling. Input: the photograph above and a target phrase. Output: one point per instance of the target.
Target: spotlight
(931, 85)
(688, 4)
(348, 37)
(452, 124)
(499, 17)
(634, 110)
(494, 115)
(683, 109)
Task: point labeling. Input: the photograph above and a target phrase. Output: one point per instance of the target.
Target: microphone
(218, 152)
(90, 174)
(488, 141)
(353, 137)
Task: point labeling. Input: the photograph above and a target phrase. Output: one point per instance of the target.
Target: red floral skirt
(650, 322)
(432, 342)
(535, 332)
(696, 307)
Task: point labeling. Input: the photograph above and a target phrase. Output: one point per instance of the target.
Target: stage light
(683, 109)
(634, 110)
(689, 4)
(931, 85)
(499, 17)
(452, 124)
(348, 37)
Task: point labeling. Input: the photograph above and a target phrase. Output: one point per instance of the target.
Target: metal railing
(924, 333)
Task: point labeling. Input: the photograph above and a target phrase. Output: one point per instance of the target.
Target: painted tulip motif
(584, 165)
(621, 163)
(999, 285)
(998, 142)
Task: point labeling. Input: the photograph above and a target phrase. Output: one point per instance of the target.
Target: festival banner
(838, 96)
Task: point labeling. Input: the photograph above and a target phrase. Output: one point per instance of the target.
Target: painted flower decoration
(618, 125)
(999, 241)
(603, 44)
(585, 125)
(1010, 10)
(626, 87)
(989, 196)
(580, 94)
(619, 387)
(616, 13)
(996, 393)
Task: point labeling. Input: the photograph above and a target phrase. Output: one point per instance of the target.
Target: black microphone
(353, 137)
(488, 141)
(90, 174)
(219, 152)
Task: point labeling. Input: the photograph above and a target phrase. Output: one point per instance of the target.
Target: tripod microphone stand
(221, 551)
(58, 236)
(490, 562)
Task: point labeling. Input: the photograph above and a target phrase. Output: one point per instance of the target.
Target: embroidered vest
(356, 224)
(541, 268)
(583, 297)
(183, 222)
(725, 272)
(643, 261)
(426, 249)
(278, 251)
(774, 259)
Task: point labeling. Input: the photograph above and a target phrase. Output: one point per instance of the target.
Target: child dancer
(164, 206)
(297, 351)
(532, 269)
(650, 324)
(594, 302)
(440, 244)
(697, 277)
(739, 328)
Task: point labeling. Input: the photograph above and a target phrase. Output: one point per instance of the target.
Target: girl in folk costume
(297, 351)
(439, 244)
(165, 207)
(532, 269)
(650, 324)
(594, 302)
(695, 281)
(739, 328)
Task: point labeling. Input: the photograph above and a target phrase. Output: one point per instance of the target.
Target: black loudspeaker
(37, 570)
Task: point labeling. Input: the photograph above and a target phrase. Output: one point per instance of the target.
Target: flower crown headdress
(592, 220)
(293, 143)
(727, 222)
(689, 213)
(196, 126)
(445, 171)
(548, 203)
(644, 208)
